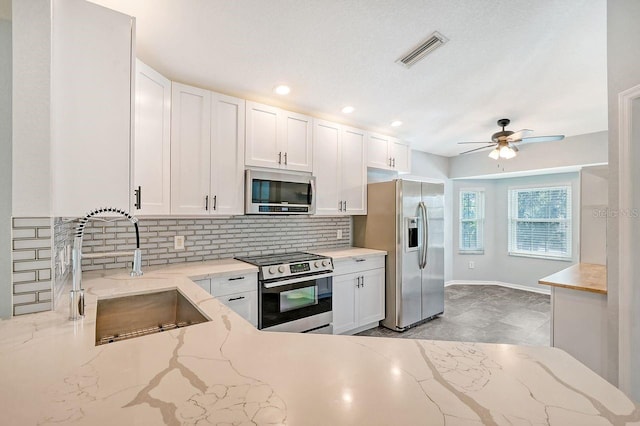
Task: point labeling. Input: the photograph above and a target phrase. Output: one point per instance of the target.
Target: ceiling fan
(504, 142)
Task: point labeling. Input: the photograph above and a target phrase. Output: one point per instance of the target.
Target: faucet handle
(136, 271)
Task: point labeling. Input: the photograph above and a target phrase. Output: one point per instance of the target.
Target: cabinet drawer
(222, 286)
(244, 304)
(358, 264)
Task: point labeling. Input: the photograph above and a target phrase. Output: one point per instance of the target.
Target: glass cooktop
(281, 258)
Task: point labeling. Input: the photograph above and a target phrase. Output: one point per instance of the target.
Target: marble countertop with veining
(226, 372)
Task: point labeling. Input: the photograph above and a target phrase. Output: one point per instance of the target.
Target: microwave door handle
(312, 185)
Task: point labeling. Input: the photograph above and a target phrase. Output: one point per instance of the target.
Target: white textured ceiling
(540, 63)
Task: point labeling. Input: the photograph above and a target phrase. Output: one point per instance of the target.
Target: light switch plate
(178, 242)
(472, 265)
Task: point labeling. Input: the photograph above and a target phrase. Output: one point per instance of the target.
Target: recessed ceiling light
(396, 123)
(348, 109)
(282, 89)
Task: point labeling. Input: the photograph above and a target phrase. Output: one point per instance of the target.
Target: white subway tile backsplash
(31, 244)
(30, 287)
(32, 308)
(31, 222)
(214, 238)
(24, 277)
(24, 298)
(19, 266)
(24, 233)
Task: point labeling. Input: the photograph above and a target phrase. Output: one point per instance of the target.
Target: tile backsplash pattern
(31, 262)
(62, 243)
(213, 238)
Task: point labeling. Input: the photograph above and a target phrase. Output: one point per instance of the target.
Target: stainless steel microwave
(279, 193)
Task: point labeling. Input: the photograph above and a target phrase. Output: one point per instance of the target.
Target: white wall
(496, 264)
(5, 168)
(623, 72)
(594, 191)
(578, 150)
(31, 108)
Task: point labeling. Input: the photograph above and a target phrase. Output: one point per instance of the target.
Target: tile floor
(490, 314)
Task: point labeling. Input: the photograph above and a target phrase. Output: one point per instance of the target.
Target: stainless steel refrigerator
(406, 219)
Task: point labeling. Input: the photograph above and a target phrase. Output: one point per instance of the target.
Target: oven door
(294, 300)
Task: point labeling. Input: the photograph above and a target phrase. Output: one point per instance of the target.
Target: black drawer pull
(236, 278)
(360, 260)
(235, 298)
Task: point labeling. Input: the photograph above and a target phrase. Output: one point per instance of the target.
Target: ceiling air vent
(434, 41)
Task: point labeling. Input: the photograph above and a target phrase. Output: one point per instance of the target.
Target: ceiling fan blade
(478, 149)
(519, 134)
(474, 142)
(542, 139)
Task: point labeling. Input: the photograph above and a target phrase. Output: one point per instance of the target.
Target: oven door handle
(296, 280)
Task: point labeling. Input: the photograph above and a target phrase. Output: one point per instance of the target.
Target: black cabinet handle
(206, 202)
(215, 202)
(360, 260)
(138, 195)
(236, 278)
(235, 298)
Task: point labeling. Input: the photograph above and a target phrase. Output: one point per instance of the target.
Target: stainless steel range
(294, 292)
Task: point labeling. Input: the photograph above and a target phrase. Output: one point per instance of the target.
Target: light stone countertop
(226, 372)
(582, 276)
(341, 253)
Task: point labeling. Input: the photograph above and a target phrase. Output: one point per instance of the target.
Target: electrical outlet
(339, 236)
(178, 242)
(472, 265)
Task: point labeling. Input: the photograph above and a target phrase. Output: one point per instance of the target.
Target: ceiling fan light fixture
(495, 154)
(510, 153)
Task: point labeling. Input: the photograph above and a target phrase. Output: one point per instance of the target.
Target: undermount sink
(126, 317)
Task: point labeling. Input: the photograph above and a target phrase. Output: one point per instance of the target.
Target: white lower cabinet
(358, 297)
(244, 304)
(238, 292)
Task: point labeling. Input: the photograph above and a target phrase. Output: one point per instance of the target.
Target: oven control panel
(297, 268)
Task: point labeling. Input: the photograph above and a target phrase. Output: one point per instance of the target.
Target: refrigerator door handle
(425, 235)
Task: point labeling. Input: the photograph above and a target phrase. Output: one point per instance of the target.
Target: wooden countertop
(582, 276)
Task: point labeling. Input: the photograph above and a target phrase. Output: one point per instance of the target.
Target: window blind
(540, 222)
(471, 221)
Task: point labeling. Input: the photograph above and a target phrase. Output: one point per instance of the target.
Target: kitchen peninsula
(226, 371)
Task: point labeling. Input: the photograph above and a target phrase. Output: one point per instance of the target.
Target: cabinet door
(227, 155)
(379, 154)
(344, 303)
(353, 171)
(244, 304)
(190, 149)
(263, 127)
(152, 148)
(401, 157)
(205, 284)
(371, 297)
(326, 149)
(297, 145)
(91, 108)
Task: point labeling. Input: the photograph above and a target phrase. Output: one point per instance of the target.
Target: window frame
(513, 211)
(479, 220)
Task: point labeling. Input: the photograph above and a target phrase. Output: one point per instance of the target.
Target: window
(472, 221)
(540, 222)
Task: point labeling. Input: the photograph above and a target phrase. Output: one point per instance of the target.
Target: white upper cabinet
(190, 149)
(207, 152)
(152, 143)
(227, 155)
(387, 153)
(379, 153)
(91, 107)
(326, 155)
(339, 166)
(401, 157)
(277, 139)
(353, 171)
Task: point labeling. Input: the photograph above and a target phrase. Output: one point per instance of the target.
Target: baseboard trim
(499, 283)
